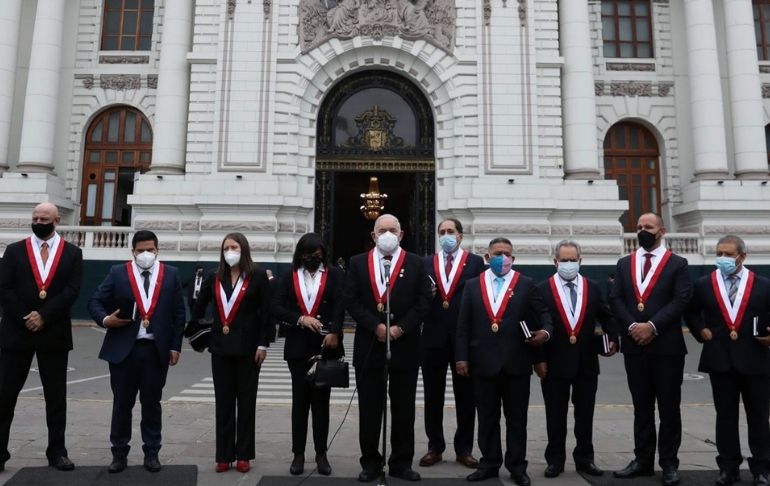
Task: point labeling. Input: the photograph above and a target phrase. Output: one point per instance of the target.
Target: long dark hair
(309, 244)
(246, 265)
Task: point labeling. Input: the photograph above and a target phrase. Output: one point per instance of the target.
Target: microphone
(386, 265)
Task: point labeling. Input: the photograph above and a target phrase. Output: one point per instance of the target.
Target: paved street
(189, 420)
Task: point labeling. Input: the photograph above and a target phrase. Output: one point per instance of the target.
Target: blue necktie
(733, 289)
(498, 286)
(572, 295)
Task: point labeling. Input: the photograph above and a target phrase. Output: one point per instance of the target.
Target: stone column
(10, 20)
(170, 137)
(581, 156)
(745, 91)
(38, 130)
(706, 105)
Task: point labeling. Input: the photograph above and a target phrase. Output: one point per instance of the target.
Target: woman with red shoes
(309, 304)
(238, 346)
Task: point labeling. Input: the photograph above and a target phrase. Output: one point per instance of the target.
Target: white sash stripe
(496, 300)
(378, 270)
(732, 308)
(310, 297)
(53, 245)
(566, 302)
(446, 282)
(227, 305)
(642, 284)
(146, 297)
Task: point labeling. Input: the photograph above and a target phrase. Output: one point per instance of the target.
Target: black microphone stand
(383, 479)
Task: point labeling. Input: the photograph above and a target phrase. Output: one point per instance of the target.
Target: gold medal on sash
(380, 307)
(495, 327)
(733, 335)
(145, 323)
(225, 330)
(43, 294)
(572, 339)
(445, 304)
(640, 306)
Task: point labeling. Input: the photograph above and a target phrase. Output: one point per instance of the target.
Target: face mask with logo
(448, 243)
(232, 257)
(727, 265)
(387, 243)
(311, 263)
(42, 230)
(568, 270)
(500, 265)
(145, 260)
(646, 239)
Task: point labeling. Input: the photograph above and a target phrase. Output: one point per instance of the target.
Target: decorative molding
(120, 82)
(87, 79)
(764, 68)
(161, 225)
(664, 89)
(510, 229)
(431, 20)
(633, 88)
(124, 59)
(267, 5)
(601, 250)
(487, 11)
(736, 230)
(560, 230)
(522, 11)
(593, 230)
(630, 66)
(230, 9)
(766, 90)
(152, 81)
(251, 226)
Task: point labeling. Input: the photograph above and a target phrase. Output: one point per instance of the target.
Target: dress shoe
(430, 458)
(242, 466)
(297, 465)
(760, 480)
(322, 463)
(117, 465)
(369, 475)
(670, 477)
(521, 478)
(482, 474)
(407, 474)
(553, 471)
(62, 463)
(467, 460)
(634, 469)
(222, 467)
(726, 478)
(152, 464)
(589, 468)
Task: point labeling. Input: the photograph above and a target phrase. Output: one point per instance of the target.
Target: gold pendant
(734, 335)
(640, 306)
(146, 323)
(225, 330)
(380, 307)
(43, 294)
(572, 339)
(495, 327)
(445, 304)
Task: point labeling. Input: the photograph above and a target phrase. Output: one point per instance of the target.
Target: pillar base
(583, 175)
(165, 170)
(34, 168)
(711, 176)
(753, 175)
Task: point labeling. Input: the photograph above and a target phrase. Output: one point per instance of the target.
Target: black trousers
(513, 392)
(434, 367)
(402, 391)
(235, 392)
(144, 373)
(728, 389)
(652, 378)
(556, 394)
(305, 397)
(14, 368)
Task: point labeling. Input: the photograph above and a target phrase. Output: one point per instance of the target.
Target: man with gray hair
(729, 315)
(571, 365)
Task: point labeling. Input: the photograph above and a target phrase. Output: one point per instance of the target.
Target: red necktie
(44, 252)
(647, 264)
(448, 265)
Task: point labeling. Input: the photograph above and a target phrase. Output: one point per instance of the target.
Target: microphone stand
(383, 479)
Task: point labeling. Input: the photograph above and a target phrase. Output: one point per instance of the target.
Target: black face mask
(311, 263)
(646, 239)
(42, 230)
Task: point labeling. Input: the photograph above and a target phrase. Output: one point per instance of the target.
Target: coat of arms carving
(375, 131)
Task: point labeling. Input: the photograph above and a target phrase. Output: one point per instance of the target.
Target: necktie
(388, 258)
(146, 277)
(647, 264)
(498, 286)
(733, 288)
(572, 295)
(44, 252)
(448, 265)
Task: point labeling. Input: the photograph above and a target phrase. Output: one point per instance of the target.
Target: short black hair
(458, 224)
(143, 235)
(500, 240)
(308, 244)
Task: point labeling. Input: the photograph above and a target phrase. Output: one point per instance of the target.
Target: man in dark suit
(448, 270)
(39, 283)
(576, 305)
(729, 315)
(651, 292)
(494, 348)
(141, 305)
(365, 295)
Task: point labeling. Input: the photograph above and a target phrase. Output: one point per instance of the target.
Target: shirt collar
(657, 252)
(564, 283)
(51, 241)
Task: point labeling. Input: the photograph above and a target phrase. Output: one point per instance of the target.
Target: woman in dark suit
(239, 339)
(309, 304)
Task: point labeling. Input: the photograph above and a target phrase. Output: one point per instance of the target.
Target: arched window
(627, 28)
(632, 158)
(118, 144)
(762, 28)
(127, 25)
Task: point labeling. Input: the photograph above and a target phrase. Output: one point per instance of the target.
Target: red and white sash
(732, 312)
(644, 287)
(375, 277)
(309, 300)
(44, 274)
(572, 321)
(447, 284)
(496, 307)
(145, 302)
(228, 308)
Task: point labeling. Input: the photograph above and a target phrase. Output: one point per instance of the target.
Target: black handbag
(329, 373)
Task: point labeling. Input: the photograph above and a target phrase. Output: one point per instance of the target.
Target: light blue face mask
(568, 270)
(726, 265)
(448, 243)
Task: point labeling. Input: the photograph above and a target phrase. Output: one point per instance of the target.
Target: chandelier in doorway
(374, 201)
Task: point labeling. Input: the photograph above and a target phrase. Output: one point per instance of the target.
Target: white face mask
(232, 257)
(387, 243)
(568, 270)
(145, 260)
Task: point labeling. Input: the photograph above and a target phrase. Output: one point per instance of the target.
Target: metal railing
(680, 243)
(97, 237)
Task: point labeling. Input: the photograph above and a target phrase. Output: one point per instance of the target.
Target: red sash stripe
(319, 297)
(447, 296)
(560, 307)
(733, 326)
(380, 298)
(497, 318)
(654, 279)
(226, 320)
(41, 285)
(146, 313)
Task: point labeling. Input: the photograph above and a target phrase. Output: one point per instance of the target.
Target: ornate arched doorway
(375, 124)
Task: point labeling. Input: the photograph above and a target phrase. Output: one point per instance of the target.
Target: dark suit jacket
(410, 298)
(722, 354)
(489, 353)
(664, 307)
(167, 322)
(189, 286)
(439, 328)
(19, 296)
(301, 343)
(250, 327)
(567, 360)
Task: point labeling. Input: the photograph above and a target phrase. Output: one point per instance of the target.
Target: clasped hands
(642, 333)
(331, 340)
(395, 332)
(33, 321)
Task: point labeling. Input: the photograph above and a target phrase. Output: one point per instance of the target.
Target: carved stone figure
(312, 21)
(414, 22)
(343, 19)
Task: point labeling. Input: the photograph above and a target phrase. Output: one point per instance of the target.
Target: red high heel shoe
(223, 467)
(242, 466)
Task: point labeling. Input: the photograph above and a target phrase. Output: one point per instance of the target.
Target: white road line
(82, 380)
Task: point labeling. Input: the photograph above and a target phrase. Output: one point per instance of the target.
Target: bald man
(39, 283)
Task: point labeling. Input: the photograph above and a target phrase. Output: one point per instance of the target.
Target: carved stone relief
(633, 88)
(120, 82)
(87, 79)
(124, 59)
(430, 20)
(152, 81)
(766, 91)
(630, 66)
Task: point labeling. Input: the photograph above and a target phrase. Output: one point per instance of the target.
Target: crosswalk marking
(275, 385)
